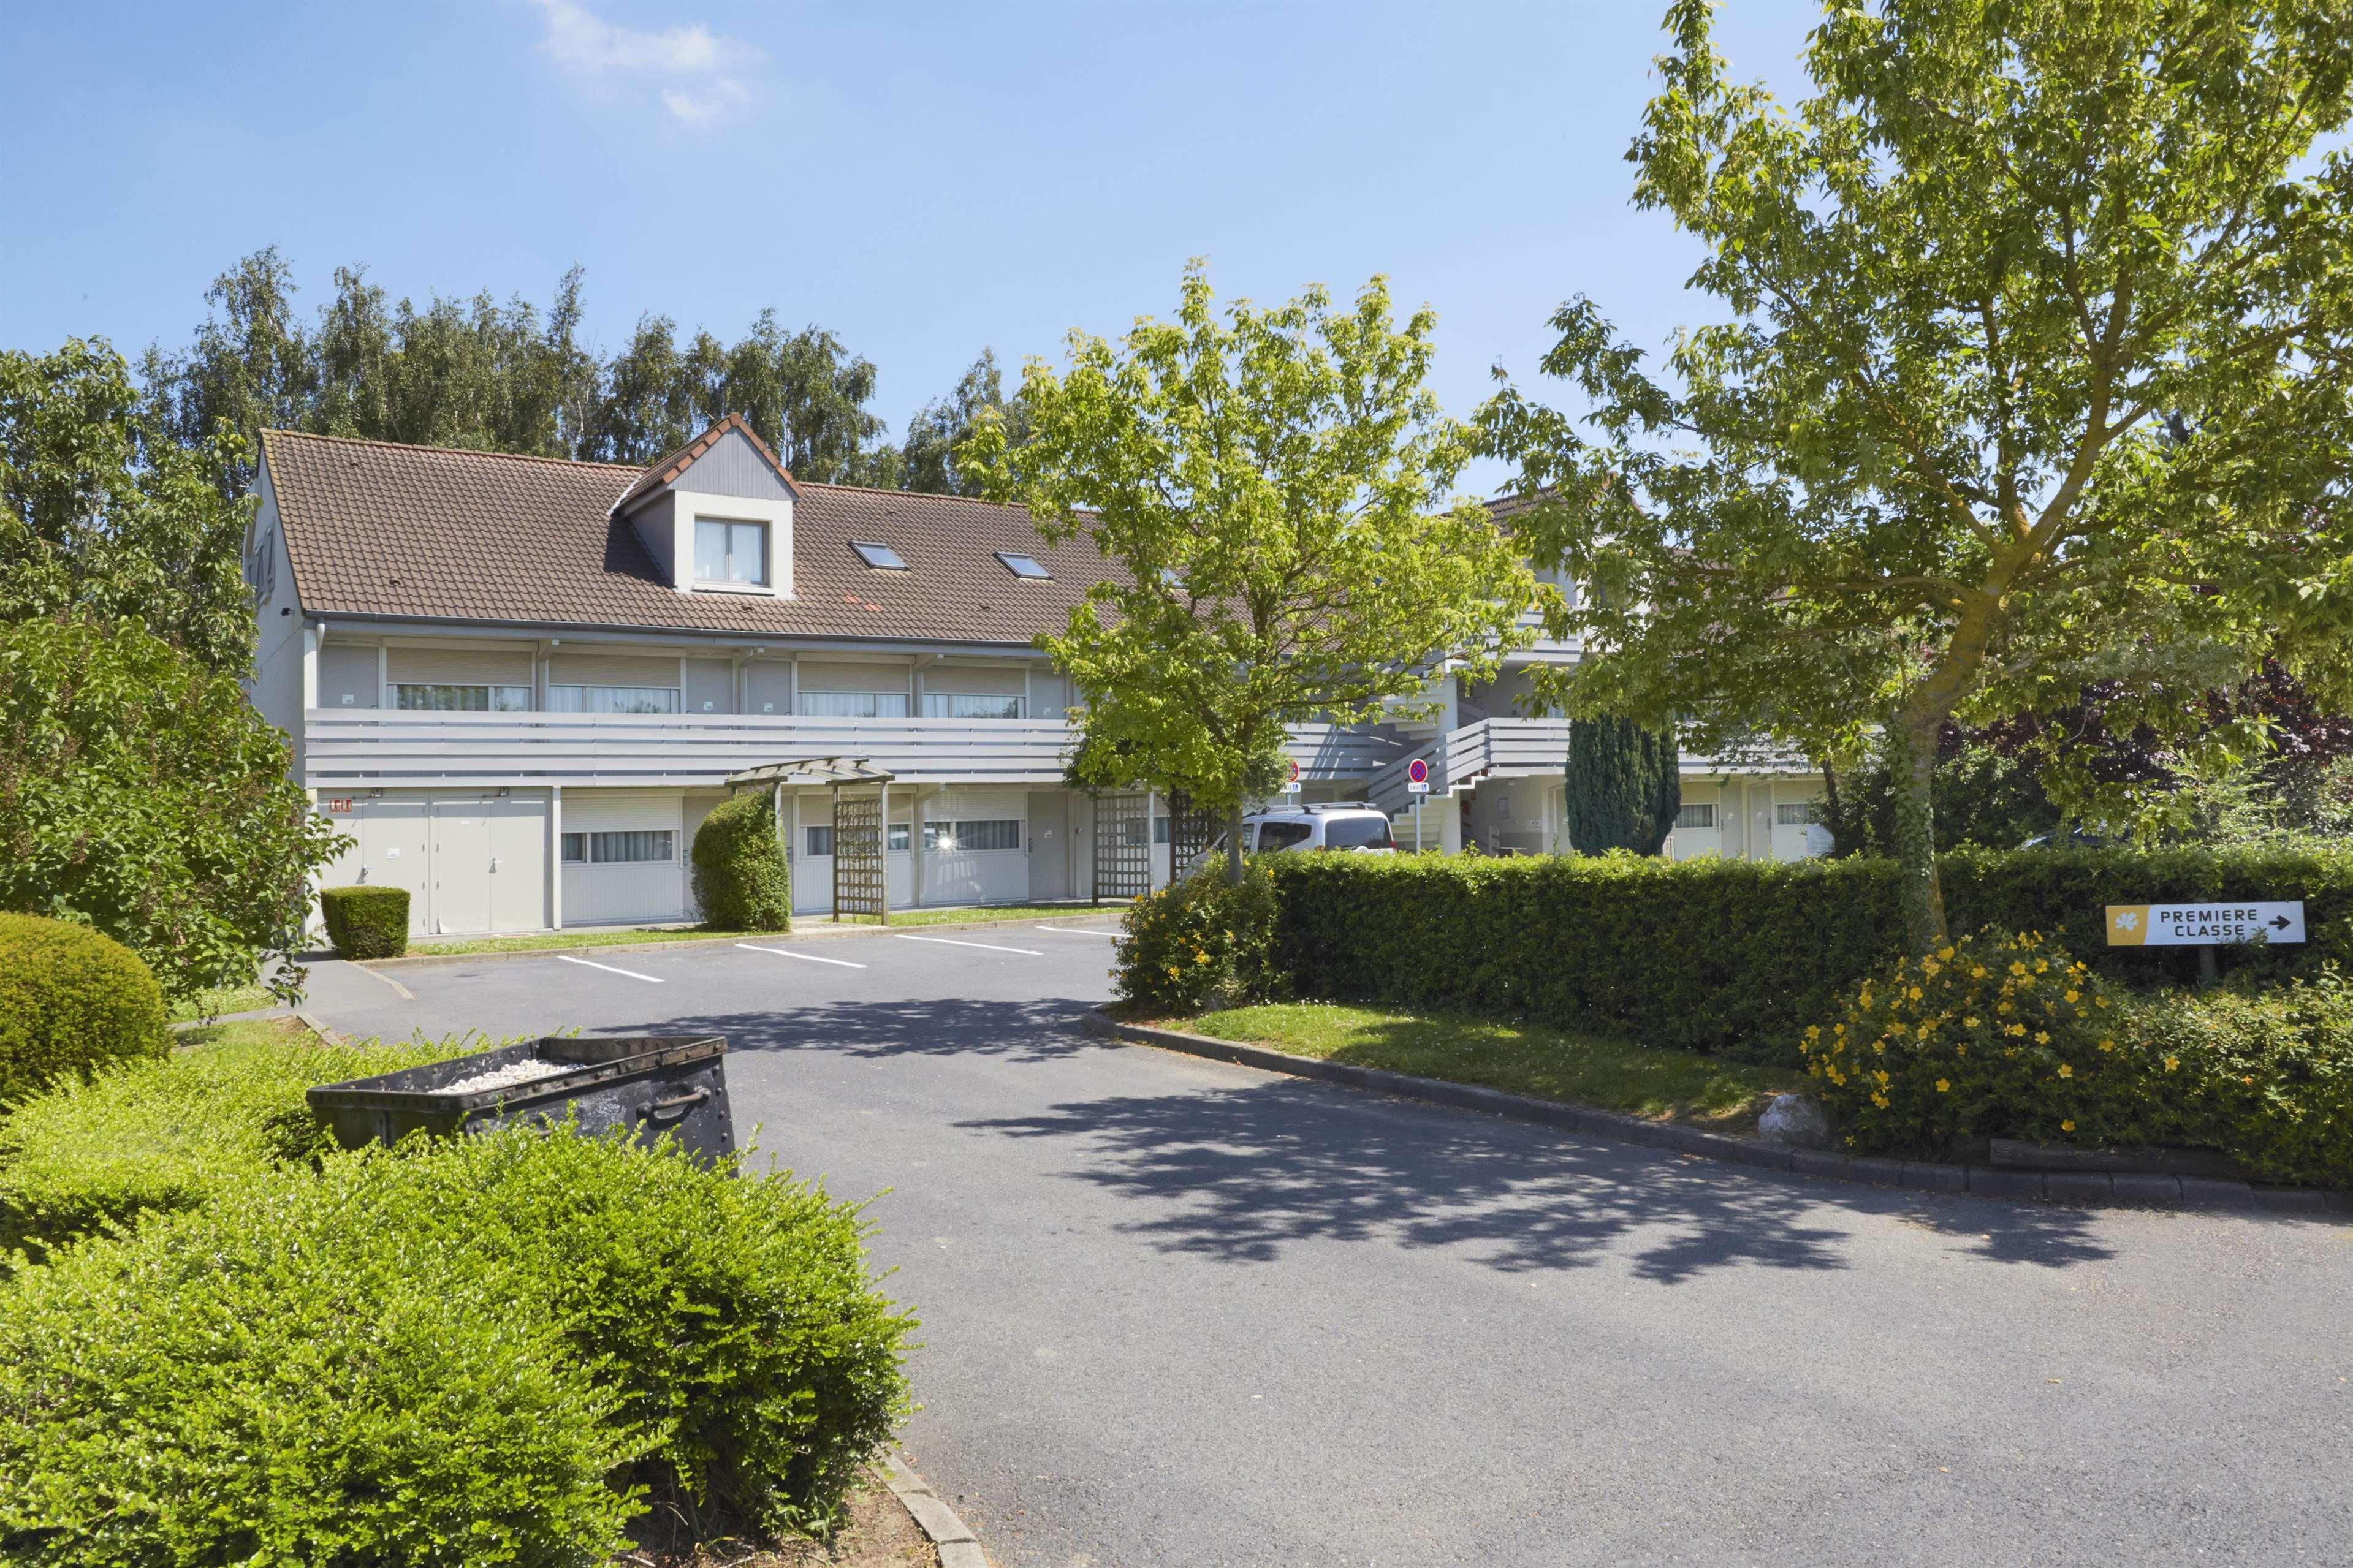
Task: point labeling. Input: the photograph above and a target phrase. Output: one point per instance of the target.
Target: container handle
(663, 1110)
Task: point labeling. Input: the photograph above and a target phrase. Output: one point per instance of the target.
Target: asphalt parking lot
(1180, 1312)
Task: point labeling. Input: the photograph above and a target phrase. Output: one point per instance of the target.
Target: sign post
(1416, 784)
(2204, 926)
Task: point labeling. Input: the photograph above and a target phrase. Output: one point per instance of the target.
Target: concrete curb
(2080, 1189)
(957, 1546)
(821, 933)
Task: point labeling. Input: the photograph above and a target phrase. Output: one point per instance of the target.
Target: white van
(1352, 825)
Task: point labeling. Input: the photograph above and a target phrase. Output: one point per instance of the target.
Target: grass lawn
(228, 999)
(1524, 1059)
(640, 936)
(244, 1031)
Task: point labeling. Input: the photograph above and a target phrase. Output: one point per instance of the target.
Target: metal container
(650, 1084)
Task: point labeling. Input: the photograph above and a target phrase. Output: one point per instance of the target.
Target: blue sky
(923, 180)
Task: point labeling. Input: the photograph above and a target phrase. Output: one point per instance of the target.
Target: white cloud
(698, 73)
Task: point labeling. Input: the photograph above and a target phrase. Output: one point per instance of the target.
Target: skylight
(1024, 566)
(881, 557)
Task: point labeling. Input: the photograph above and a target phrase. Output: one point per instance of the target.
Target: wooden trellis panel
(1190, 829)
(860, 882)
(1123, 847)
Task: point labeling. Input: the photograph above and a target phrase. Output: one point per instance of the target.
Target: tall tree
(1625, 786)
(1273, 485)
(806, 396)
(250, 367)
(1923, 471)
(928, 457)
(105, 512)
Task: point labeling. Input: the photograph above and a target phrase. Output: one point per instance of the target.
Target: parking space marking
(1075, 931)
(987, 946)
(805, 957)
(609, 969)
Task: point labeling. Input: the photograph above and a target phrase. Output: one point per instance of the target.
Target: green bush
(152, 1137)
(141, 791)
(434, 1356)
(365, 920)
(281, 1377)
(1736, 955)
(72, 1001)
(2007, 1036)
(742, 879)
(1200, 944)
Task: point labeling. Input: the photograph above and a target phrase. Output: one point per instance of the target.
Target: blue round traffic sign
(1417, 771)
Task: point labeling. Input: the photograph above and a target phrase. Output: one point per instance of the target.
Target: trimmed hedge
(2008, 1036)
(488, 1350)
(154, 1137)
(1733, 955)
(742, 880)
(366, 921)
(72, 1001)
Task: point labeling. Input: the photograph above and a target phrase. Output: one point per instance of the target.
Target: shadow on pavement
(1037, 1030)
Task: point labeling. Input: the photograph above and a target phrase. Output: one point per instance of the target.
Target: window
(820, 840)
(968, 837)
(1699, 815)
(898, 839)
(1160, 830)
(967, 705)
(1282, 835)
(1805, 814)
(1357, 833)
(438, 699)
(656, 844)
(881, 557)
(1024, 566)
(854, 704)
(727, 551)
(612, 699)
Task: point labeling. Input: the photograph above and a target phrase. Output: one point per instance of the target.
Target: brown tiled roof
(377, 529)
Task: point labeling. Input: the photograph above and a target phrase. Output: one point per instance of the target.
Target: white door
(1796, 832)
(518, 865)
(396, 851)
(1049, 841)
(461, 869)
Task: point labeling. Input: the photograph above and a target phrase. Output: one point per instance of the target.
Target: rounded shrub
(365, 922)
(1200, 944)
(742, 879)
(1992, 1036)
(72, 1001)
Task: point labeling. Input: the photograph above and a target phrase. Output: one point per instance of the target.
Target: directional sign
(2187, 924)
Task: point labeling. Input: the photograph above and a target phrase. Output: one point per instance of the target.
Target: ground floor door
(490, 866)
(1049, 845)
(396, 850)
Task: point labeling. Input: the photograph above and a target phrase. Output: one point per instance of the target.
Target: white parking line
(805, 957)
(1074, 930)
(951, 942)
(609, 969)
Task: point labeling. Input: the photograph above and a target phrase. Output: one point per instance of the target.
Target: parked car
(1350, 824)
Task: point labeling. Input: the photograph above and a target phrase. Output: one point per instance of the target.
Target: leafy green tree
(927, 458)
(1270, 484)
(103, 513)
(250, 368)
(142, 794)
(806, 396)
(2034, 374)
(1625, 786)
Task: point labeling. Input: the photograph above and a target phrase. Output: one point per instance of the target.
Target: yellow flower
(2004, 1007)
(1880, 1101)
(1914, 993)
(2042, 966)
(2065, 1070)
(1943, 1084)
(1842, 1029)
(1882, 1076)
(2108, 1045)
(2016, 1030)
(2172, 1063)
(1946, 953)
(2099, 1000)
(2068, 1126)
(2073, 994)
(1977, 971)
(1970, 1022)
(2042, 1036)
(2016, 968)
(1813, 1031)
(1960, 1050)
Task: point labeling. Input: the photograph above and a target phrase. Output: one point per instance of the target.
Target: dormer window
(1024, 566)
(727, 550)
(881, 557)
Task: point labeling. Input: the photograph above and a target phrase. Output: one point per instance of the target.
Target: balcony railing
(347, 748)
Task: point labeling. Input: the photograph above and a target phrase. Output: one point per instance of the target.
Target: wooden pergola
(861, 824)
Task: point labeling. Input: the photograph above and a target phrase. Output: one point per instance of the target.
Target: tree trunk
(1911, 749)
(1234, 845)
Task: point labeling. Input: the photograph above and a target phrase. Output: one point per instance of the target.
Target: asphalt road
(1181, 1313)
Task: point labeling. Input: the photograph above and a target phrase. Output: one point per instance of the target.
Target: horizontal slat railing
(379, 748)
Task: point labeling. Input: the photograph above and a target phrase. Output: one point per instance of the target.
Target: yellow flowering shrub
(1992, 1036)
(1198, 944)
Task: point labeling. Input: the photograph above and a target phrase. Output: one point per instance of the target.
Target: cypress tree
(1625, 786)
